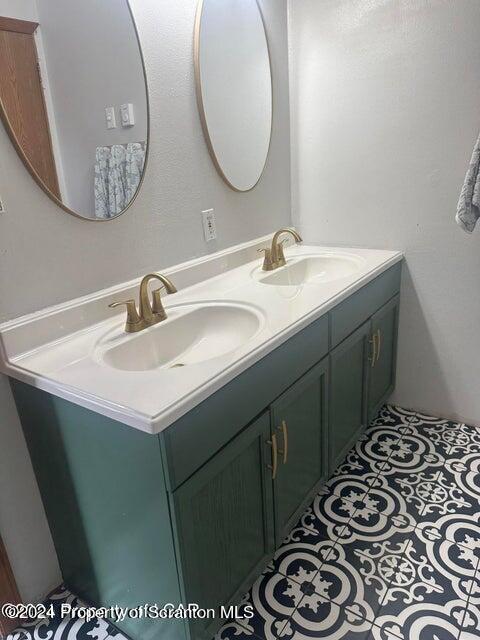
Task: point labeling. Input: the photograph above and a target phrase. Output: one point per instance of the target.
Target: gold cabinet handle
(274, 466)
(373, 357)
(284, 451)
(379, 344)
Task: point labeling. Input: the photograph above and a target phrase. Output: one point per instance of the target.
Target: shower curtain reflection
(118, 173)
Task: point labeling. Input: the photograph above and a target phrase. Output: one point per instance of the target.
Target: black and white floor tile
(65, 628)
(388, 550)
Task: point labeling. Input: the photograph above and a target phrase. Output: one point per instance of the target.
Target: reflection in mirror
(73, 98)
(234, 88)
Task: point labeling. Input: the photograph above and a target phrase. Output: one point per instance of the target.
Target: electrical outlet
(2, 207)
(209, 228)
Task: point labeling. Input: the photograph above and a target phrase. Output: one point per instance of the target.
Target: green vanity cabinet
(382, 371)
(349, 364)
(299, 421)
(223, 516)
(190, 515)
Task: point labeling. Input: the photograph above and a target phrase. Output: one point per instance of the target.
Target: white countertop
(57, 349)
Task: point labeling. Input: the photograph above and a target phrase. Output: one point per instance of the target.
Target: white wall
(48, 256)
(385, 109)
(20, 9)
(91, 64)
(23, 526)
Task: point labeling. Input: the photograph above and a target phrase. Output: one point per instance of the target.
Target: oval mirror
(234, 88)
(73, 98)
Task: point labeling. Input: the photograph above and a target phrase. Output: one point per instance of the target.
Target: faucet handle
(134, 322)
(157, 305)
(267, 262)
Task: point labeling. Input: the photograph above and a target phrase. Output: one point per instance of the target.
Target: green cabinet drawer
(192, 440)
(224, 524)
(360, 306)
(299, 424)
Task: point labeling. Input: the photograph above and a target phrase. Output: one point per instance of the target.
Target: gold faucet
(148, 313)
(274, 256)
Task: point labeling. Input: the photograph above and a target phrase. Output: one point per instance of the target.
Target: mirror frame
(11, 133)
(201, 105)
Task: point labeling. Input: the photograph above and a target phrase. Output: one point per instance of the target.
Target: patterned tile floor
(388, 550)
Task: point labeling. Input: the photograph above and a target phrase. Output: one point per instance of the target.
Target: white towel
(468, 210)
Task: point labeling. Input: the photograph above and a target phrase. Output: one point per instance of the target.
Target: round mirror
(234, 88)
(73, 98)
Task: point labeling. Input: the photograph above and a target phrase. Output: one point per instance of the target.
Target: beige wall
(47, 256)
(385, 112)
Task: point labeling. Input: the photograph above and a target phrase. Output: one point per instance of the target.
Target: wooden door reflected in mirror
(22, 96)
(73, 98)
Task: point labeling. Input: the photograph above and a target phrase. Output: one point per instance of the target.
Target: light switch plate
(127, 115)
(110, 118)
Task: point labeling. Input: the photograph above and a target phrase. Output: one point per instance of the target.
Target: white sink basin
(312, 270)
(191, 334)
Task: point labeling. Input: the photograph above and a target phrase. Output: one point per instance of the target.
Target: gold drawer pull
(379, 344)
(284, 451)
(274, 466)
(373, 342)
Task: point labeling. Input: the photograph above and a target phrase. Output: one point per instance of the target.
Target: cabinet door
(299, 427)
(224, 523)
(349, 370)
(383, 369)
